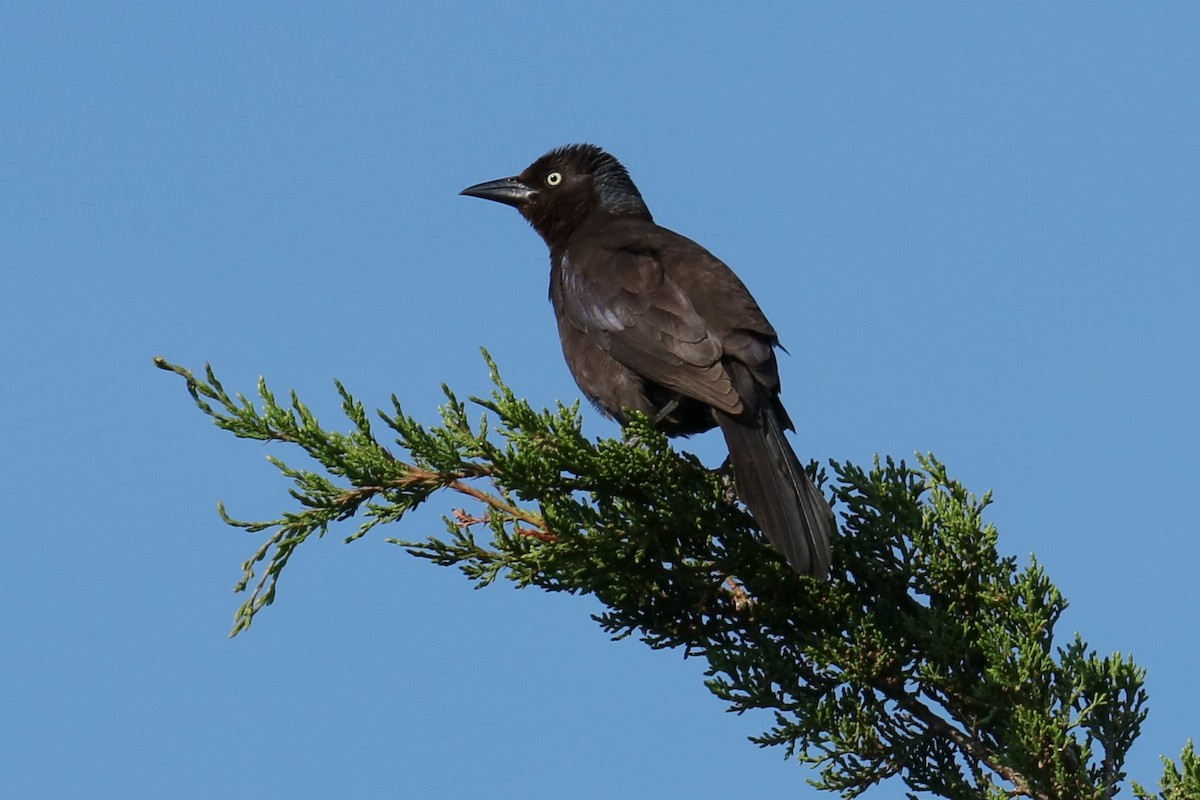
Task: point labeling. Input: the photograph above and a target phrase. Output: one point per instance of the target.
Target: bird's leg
(662, 414)
(666, 410)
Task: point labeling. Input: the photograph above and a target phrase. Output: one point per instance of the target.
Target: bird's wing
(624, 298)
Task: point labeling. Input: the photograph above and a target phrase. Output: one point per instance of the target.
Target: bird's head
(564, 188)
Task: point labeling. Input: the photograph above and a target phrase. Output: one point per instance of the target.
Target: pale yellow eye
(554, 179)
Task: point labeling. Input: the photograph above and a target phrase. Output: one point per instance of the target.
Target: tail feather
(789, 509)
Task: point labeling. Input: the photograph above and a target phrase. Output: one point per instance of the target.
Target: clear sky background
(975, 226)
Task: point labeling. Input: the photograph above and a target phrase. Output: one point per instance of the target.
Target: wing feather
(641, 317)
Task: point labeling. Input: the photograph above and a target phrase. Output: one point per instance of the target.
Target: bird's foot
(725, 473)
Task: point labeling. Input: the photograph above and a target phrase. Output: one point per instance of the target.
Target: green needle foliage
(928, 656)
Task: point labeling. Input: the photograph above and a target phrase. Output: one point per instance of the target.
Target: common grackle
(650, 321)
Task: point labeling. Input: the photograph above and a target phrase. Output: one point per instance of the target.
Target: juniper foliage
(928, 657)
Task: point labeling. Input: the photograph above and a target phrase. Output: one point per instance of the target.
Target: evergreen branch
(1178, 782)
(928, 656)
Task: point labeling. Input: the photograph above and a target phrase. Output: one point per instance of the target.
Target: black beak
(509, 191)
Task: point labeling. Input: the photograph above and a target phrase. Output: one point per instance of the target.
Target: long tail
(789, 509)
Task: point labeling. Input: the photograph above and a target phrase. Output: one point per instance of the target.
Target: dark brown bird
(650, 321)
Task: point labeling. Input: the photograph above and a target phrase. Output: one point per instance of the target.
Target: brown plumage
(650, 321)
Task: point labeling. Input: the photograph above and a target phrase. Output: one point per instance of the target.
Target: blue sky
(976, 228)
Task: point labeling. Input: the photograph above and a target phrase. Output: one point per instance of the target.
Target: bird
(652, 322)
